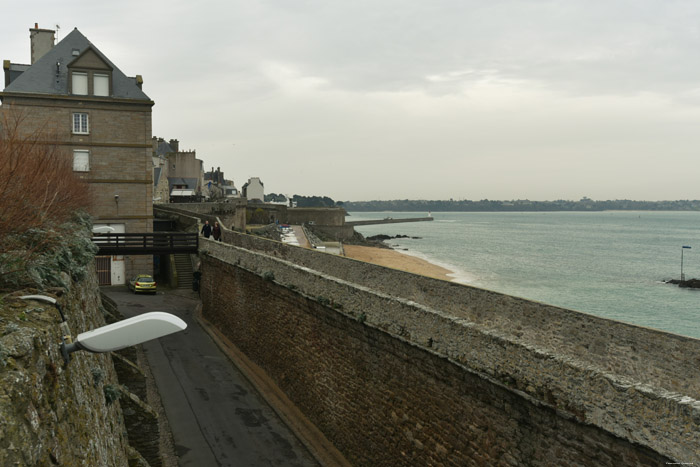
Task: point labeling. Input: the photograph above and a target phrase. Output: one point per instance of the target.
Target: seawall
(401, 369)
(389, 221)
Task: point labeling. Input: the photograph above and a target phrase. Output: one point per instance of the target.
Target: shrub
(40, 194)
(37, 184)
(111, 392)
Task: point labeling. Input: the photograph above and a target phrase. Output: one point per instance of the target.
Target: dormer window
(80, 83)
(101, 84)
(90, 83)
(89, 74)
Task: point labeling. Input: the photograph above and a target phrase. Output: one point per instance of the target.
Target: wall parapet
(573, 363)
(634, 352)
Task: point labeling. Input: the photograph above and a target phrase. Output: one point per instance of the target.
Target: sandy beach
(396, 260)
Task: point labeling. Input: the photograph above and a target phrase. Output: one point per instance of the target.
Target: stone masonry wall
(632, 352)
(321, 216)
(231, 213)
(52, 413)
(429, 371)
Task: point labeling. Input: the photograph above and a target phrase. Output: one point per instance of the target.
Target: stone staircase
(183, 266)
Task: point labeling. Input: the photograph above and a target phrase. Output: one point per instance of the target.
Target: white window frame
(81, 160)
(79, 83)
(81, 123)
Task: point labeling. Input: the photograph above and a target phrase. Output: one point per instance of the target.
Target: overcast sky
(384, 99)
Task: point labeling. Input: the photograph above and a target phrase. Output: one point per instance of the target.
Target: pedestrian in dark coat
(206, 230)
(216, 232)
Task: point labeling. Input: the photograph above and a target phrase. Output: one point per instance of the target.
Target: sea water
(611, 264)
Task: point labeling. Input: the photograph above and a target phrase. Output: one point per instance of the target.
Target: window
(90, 83)
(100, 84)
(80, 83)
(80, 124)
(81, 160)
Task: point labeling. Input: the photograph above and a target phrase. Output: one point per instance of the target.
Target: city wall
(396, 368)
(320, 216)
(230, 214)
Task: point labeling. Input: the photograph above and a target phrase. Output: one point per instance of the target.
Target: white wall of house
(255, 189)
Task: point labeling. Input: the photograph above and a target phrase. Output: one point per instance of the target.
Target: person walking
(216, 232)
(206, 230)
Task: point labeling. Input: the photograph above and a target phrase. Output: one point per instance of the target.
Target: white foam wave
(457, 275)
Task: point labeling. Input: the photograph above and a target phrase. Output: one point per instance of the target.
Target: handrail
(145, 243)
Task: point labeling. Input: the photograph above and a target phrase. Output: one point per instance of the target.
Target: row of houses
(73, 95)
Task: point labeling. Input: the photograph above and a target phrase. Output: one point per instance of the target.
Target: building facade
(254, 190)
(161, 189)
(99, 117)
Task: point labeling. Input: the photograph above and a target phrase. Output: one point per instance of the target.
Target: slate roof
(41, 77)
(156, 175)
(164, 148)
(190, 183)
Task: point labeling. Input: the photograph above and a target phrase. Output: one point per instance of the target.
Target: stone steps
(183, 266)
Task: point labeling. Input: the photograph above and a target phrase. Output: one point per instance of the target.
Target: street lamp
(125, 333)
(682, 249)
(115, 336)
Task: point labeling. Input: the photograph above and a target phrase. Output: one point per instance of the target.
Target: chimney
(42, 40)
(6, 67)
(175, 144)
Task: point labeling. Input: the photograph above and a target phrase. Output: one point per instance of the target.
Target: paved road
(301, 236)
(216, 417)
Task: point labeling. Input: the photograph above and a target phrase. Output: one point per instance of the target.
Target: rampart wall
(232, 214)
(390, 221)
(320, 216)
(397, 368)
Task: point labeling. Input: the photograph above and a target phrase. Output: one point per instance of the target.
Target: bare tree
(38, 191)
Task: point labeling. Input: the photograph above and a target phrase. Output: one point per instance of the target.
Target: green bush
(39, 256)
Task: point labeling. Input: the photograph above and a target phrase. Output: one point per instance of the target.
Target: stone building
(184, 172)
(99, 117)
(218, 187)
(161, 189)
(254, 190)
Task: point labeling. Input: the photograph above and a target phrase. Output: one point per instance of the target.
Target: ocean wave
(457, 274)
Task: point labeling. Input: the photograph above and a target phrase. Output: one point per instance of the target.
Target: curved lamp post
(115, 336)
(44, 298)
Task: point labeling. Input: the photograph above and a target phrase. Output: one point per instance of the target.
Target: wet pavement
(216, 416)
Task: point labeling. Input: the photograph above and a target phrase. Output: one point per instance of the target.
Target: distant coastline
(485, 205)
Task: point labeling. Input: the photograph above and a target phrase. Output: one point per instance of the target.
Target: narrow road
(301, 236)
(216, 416)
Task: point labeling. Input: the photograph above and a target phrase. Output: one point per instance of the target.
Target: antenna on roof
(58, 28)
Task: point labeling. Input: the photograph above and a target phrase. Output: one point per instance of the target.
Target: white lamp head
(132, 331)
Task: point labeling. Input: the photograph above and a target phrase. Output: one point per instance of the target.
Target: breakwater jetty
(388, 220)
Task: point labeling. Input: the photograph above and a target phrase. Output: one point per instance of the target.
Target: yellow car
(143, 283)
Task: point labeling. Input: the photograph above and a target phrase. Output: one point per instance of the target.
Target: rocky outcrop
(58, 413)
(53, 413)
(382, 237)
(689, 284)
